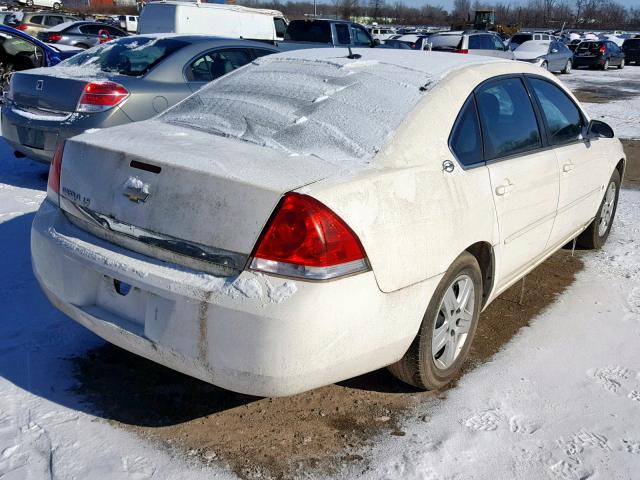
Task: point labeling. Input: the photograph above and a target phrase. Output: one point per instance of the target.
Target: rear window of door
(562, 116)
(280, 26)
(342, 34)
(37, 20)
(53, 20)
(509, 124)
(215, 64)
(481, 42)
(466, 139)
(360, 37)
(90, 29)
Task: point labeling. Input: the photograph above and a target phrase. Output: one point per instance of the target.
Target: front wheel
(567, 67)
(621, 66)
(544, 65)
(57, 6)
(436, 355)
(605, 65)
(598, 230)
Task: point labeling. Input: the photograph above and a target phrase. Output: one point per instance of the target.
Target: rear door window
(280, 26)
(563, 118)
(89, 29)
(215, 64)
(360, 37)
(53, 20)
(509, 124)
(37, 19)
(466, 140)
(342, 34)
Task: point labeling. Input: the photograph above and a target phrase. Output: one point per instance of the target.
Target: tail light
(22, 27)
(464, 50)
(101, 96)
(413, 45)
(602, 49)
(53, 183)
(54, 37)
(305, 239)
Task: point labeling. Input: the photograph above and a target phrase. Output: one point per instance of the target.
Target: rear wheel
(544, 65)
(56, 6)
(605, 65)
(597, 232)
(567, 67)
(621, 66)
(82, 45)
(436, 355)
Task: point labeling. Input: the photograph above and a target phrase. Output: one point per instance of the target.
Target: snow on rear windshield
(132, 56)
(333, 109)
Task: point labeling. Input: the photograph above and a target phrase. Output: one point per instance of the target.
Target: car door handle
(502, 190)
(567, 167)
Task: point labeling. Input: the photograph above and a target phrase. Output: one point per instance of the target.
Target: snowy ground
(561, 400)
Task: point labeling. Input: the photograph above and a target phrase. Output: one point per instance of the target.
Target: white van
(128, 23)
(214, 19)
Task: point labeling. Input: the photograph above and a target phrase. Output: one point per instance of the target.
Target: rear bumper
(253, 333)
(37, 136)
(588, 61)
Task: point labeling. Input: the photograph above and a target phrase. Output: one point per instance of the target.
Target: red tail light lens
(54, 37)
(22, 27)
(306, 239)
(53, 183)
(101, 96)
(602, 49)
(465, 51)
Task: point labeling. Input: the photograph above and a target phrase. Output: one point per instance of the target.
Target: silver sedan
(127, 80)
(550, 55)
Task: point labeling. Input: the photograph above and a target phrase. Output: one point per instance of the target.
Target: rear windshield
(325, 108)
(519, 39)
(445, 42)
(589, 46)
(132, 56)
(302, 31)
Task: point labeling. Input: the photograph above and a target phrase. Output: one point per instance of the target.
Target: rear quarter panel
(413, 218)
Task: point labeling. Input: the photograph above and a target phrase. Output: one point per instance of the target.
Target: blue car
(19, 51)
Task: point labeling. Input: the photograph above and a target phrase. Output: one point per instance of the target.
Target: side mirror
(598, 129)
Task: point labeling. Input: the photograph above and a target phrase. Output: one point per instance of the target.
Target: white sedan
(317, 215)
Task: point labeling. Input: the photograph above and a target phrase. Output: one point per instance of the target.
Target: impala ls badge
(39, 85)
(136, 190)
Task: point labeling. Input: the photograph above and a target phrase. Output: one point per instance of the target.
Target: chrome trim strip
(192, 255)
(578, 200)
(290, 270)
(530, 227)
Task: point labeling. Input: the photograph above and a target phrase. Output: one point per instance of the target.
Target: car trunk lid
(41, 88)
(181, 185)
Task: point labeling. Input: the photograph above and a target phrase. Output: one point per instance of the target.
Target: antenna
(353, 56)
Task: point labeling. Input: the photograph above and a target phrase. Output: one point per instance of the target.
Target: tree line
(548, 14)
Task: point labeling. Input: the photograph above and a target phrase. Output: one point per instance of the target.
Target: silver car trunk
(41, 88)
(181, 183)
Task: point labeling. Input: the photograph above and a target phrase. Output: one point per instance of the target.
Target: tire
(544, 65)
(605, 65)
(621, 66)
(421, 366)
(57, 7)
(598, 230)
(82, 45)
(29, 3)
(568, 67)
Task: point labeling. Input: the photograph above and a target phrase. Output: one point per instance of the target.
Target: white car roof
(532, 45)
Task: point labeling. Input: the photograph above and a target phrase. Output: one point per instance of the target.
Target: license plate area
(31, 137)
(122, 299)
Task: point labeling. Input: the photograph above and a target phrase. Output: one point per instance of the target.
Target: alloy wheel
(607, 209)
(453, 321)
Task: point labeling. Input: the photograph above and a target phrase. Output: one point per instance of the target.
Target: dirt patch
(321, 430)
(607, 93)
(632, 171)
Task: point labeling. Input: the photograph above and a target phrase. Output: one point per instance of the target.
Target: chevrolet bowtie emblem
(136, 190)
